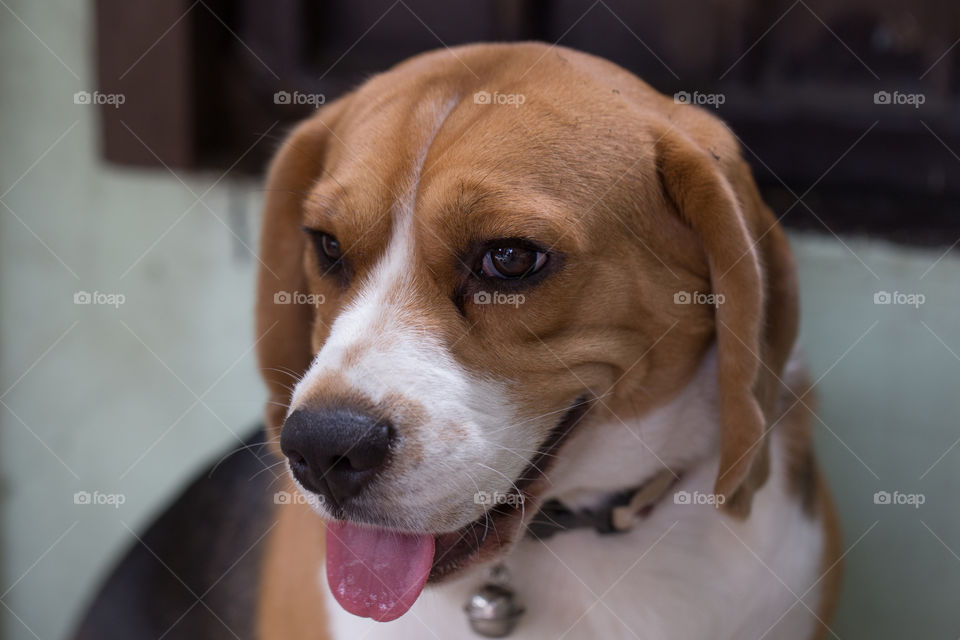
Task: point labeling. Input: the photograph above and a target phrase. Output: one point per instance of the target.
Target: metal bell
(493, 611)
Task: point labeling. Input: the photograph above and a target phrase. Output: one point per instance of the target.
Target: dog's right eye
(327, 248)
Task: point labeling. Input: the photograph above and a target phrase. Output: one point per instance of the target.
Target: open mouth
(379, 573)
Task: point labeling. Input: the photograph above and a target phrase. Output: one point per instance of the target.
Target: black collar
(617, 514)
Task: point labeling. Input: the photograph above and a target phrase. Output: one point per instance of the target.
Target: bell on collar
(492, 610)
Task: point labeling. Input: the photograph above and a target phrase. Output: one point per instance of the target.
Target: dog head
(482, 253)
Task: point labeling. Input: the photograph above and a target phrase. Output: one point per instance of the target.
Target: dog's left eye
(326, 246)
(512, 262)
(330, 246)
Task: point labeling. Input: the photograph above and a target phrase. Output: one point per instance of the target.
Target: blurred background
(133, 136)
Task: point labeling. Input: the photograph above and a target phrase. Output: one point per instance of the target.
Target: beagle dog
(526, 322)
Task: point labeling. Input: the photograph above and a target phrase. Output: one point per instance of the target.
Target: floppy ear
(752, 268)
(284, 330)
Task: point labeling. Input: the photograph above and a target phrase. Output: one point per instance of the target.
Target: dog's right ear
(282, 329)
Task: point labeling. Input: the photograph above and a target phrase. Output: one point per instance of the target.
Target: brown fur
(290, 603)
(806, 481)
(831, 576)
(639, 197)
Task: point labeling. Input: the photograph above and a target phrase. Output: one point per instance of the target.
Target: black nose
(335, 452)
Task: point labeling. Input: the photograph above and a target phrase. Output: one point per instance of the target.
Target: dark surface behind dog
(194, 572)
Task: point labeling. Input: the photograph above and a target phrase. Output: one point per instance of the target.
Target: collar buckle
(621, 513)
(641, 503)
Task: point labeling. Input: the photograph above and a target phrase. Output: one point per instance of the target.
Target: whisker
(290, 372)
(523, 506)
(267, 468)
(486, 516)
(524, 458)
(549, 413)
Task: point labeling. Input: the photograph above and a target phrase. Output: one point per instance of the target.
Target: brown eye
(330, 247)
(327, 249)
(512, 262)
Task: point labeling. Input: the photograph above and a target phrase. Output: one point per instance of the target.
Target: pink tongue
(374, 573)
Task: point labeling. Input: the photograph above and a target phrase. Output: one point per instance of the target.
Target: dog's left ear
(284, 329)
(752, 268)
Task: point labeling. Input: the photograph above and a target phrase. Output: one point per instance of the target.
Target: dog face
(457, 284)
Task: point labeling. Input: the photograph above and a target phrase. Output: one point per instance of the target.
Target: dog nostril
(341, 463)
(297, 462)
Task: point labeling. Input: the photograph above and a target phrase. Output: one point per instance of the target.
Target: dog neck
(618, 512)
(679, 435)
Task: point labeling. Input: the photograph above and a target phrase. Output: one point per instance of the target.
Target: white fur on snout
(466, 443)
